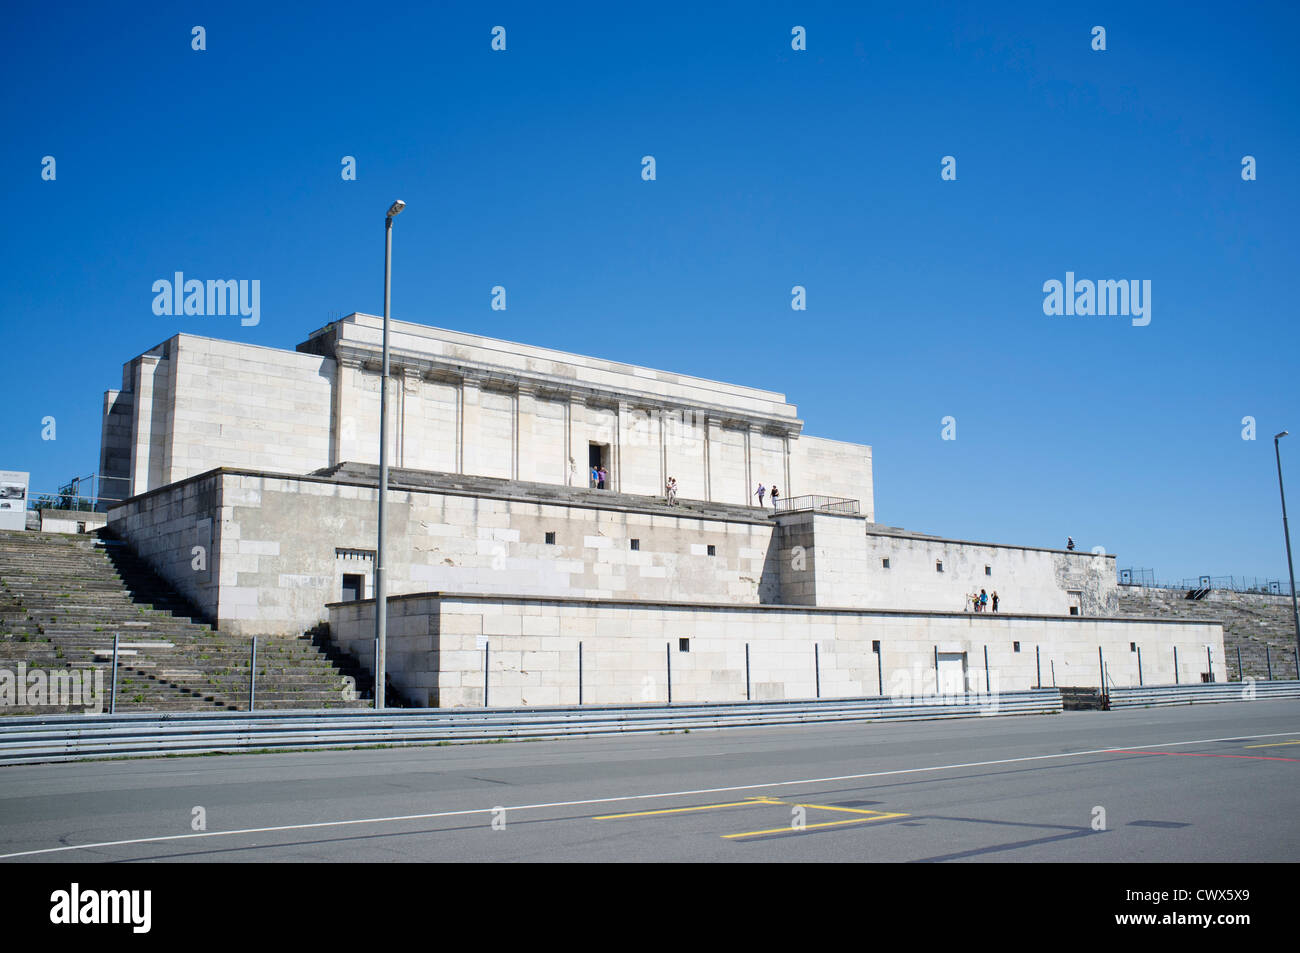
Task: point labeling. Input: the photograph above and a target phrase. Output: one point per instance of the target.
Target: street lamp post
(1295, 613)
(381, 587)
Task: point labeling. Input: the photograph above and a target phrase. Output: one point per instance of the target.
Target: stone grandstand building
(249, 475)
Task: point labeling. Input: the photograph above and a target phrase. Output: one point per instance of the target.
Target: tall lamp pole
(1295, 613)
(381, 587)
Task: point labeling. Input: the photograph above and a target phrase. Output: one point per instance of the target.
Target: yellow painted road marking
(848, 810)
(752, 802)
(1278, 744)
(808, 827)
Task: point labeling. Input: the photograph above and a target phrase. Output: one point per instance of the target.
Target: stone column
(470, 425)
(347, 418)
(663, 453)
(785, 445)
(525, 466)
(753, 442)
(142, 423)
(411, 420)
(575, 425)
(712, 457)
(622, 414)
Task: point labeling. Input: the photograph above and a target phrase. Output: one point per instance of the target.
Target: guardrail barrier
(30, 739)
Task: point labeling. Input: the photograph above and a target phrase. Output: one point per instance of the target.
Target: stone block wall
(436, 650)
(1026, 579)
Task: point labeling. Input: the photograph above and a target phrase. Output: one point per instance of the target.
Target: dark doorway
(354, 587)
(598, 458)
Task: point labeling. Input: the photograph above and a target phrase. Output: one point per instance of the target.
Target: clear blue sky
(775, 168)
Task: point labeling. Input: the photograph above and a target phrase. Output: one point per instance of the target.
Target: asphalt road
(1203, 783)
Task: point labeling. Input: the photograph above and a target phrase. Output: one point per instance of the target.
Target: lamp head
(1277, 436)
(397, 207)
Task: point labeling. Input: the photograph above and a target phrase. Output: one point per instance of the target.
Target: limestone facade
(459, 403)
(439, 645)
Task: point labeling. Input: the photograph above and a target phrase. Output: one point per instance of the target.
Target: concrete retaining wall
(436, 650)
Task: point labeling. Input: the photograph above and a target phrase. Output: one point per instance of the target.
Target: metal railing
(26, 739)
(1157, 696)
(820, 504)
(1145, 578)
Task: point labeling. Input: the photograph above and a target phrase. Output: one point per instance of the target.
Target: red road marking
(1194, 754)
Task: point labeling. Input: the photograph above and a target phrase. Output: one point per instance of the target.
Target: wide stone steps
(63, 598)
(1251, 622)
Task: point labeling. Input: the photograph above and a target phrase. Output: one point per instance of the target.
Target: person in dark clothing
(995, 600)
(775, 494)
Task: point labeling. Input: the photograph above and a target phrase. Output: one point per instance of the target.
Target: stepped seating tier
(63, 598)
(1260, 626)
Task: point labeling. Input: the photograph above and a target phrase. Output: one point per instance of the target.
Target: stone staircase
(368, 473)
(1261, 626)
(64, 597)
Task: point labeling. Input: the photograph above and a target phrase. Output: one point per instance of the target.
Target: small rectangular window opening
(713, 550)
(1015, 646)
(938, 565)
(884, 562)
(683, 645)
(636, 545)
(550, 539)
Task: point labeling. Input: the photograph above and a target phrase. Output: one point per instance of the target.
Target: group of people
(763, 491)
(670, 491)
(980, 602)
(599, 478)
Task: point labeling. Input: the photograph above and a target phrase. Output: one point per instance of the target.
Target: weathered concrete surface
(1251, 622)
(436, 650)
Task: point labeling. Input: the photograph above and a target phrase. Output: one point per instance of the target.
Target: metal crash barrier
(1202, 693)
(34, 739)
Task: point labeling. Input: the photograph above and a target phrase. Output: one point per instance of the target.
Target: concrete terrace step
(539, 492)
(62, 600)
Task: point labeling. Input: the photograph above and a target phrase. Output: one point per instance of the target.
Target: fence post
(112, 698)
(1101, 664)
(252, 675)
(668, 653)
(936, 670)
(817, 668)
(1038, 666)
(487, 660)
(1053, 673)
(1139, 666)
(579, 673)
(1241, 676)
(988, 686)
(1175, 665)
(747, 698)
(1210, 659)
(1268, 657)
(880, 669)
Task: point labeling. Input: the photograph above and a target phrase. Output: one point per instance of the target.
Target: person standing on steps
(762, 491)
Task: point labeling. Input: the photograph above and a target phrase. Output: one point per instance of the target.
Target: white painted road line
(632, 797)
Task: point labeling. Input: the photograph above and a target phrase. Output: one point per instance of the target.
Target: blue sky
(774, 168)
